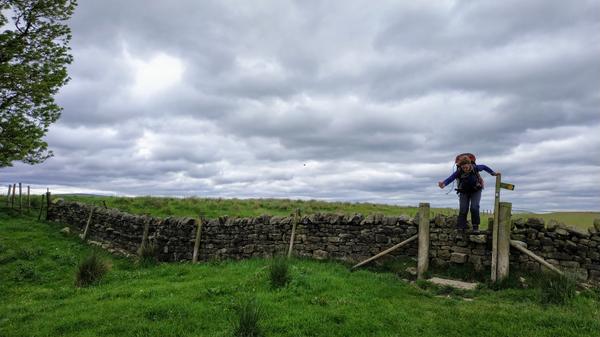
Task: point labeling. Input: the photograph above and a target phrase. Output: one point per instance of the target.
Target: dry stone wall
(329, 236)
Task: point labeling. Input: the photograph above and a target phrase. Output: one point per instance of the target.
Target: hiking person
(469, 189)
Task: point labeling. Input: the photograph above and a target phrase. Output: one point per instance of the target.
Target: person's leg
(463, 208)
(475, 199)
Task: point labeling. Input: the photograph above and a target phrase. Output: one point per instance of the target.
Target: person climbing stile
(470, 185)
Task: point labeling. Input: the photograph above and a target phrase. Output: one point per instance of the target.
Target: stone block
(320, 254)
(481, 238)
(458, 258)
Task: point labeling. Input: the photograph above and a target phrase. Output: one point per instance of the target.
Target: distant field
(215, 207)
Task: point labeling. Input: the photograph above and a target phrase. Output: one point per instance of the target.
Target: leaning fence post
(41, 208)
(87, 224)
(197, 241)
(423, 253)
(503, 240)
(292, 237)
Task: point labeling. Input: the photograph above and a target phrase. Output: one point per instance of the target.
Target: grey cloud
(355, 101)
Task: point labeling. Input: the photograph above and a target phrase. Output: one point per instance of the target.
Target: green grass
(577, 219)
(38, 298)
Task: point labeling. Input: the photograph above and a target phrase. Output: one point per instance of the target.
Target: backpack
(470, 182)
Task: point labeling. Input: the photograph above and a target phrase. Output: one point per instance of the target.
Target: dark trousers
(469, 201)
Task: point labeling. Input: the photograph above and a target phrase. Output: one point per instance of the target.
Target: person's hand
(441, 184)
(496, 174)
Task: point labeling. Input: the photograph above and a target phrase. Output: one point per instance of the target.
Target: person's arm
(448, 180)
(487, 169)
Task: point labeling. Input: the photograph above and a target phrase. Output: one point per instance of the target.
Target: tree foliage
(34, 54)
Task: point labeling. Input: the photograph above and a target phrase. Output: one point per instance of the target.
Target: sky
(365, 101)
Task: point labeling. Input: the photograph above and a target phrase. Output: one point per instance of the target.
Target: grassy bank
(38, 296)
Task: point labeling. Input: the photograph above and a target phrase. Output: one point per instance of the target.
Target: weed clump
(249, 315)
(279, 272)
(90, 270)
(557, 289)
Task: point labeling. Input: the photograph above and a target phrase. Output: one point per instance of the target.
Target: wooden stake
(518, 246)
(389, 250)
(495, 230)
(423, 253)
(41, 208)
(28, 198)
(197, 242)
(87, 225)
(295, 222)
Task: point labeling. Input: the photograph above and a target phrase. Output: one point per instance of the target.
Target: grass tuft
(279, 273)
(249, 315)
(147, 255)
(558, 289)
(90, 270)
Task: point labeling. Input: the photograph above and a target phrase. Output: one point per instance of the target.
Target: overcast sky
(342, 100)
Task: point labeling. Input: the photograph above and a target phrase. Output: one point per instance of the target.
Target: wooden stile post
(87, 225)
(197, 242)
(495, 230)
(503, 240)
(423, 253)
(41, 208)
(292, 237)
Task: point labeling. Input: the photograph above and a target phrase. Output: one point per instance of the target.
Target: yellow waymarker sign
(507, 186)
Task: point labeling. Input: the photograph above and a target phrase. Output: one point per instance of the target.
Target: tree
(34, 54)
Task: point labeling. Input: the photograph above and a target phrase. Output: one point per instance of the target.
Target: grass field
(213, 208)
(38, 298)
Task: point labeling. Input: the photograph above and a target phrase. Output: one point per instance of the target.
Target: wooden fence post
(28, 198)
(8, 196)
(423, 253)
(87, 225)
(503, 242)
(20, 198)
(47, 203)
(292, 237)
(12, 201)
(41, 208)
(145, 235)
(197, 242)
